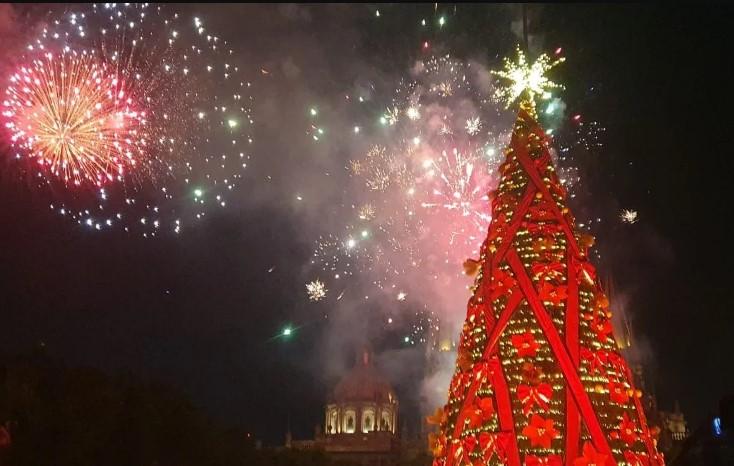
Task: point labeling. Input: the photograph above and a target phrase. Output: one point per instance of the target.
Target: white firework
(392, 116)
(629, 216)
(473, 125)
(413, 113)
(316, 290)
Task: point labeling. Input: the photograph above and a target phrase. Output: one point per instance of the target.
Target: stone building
(360, 419)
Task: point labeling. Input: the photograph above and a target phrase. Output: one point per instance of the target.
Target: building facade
(360, 419)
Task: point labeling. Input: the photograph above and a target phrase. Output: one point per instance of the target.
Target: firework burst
(74, 116)
(316, 290)
(422, 183)
(525, 79)
(629, 216)
(129, 116)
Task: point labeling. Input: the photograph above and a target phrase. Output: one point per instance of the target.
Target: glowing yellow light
(526, 80)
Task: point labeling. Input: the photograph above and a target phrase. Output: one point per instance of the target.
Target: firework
(628, 216)
(418, 202)
(316, 290)
(473, 125)
(367, 212)
(527, 79)
(74, 115)
(422, 184)
(129, 116)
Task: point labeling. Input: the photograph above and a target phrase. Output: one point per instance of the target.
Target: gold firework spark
(316, 290)
(526, 81)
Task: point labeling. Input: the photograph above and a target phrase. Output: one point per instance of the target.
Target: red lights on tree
(539, 379)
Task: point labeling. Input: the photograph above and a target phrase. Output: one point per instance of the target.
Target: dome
(364, 383)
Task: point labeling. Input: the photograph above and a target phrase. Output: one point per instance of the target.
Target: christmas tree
(539, 379)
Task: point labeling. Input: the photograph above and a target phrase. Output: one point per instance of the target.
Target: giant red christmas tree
(538, 380)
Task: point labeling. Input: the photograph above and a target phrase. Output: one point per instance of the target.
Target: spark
(473, 125)
(392, 115)
(367, 212)
(445, 89)
(402, 295)
(629, 216)
(413, 113)
(316, 290)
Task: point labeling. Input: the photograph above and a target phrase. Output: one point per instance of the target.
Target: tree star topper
(526, 81)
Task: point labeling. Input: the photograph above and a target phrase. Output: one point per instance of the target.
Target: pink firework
(73, 114)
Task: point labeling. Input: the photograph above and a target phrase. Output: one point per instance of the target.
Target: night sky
(200, 310)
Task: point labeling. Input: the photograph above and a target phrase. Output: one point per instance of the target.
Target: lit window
(331, 422)
(385, 421)
(349, 424)
(368, 420)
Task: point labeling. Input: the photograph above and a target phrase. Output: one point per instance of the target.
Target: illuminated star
(526, 81)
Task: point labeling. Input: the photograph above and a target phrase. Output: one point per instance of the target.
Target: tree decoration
(627, 430)
(636, 459)
(534, 396)
(502, 283)
(552, 460)
(553, 294)
(525, 345)
(540, 431)
(538, 380)
(618, 393)
(591, 457)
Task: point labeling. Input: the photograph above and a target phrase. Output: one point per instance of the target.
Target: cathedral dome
(363, 402)
(364, 383)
